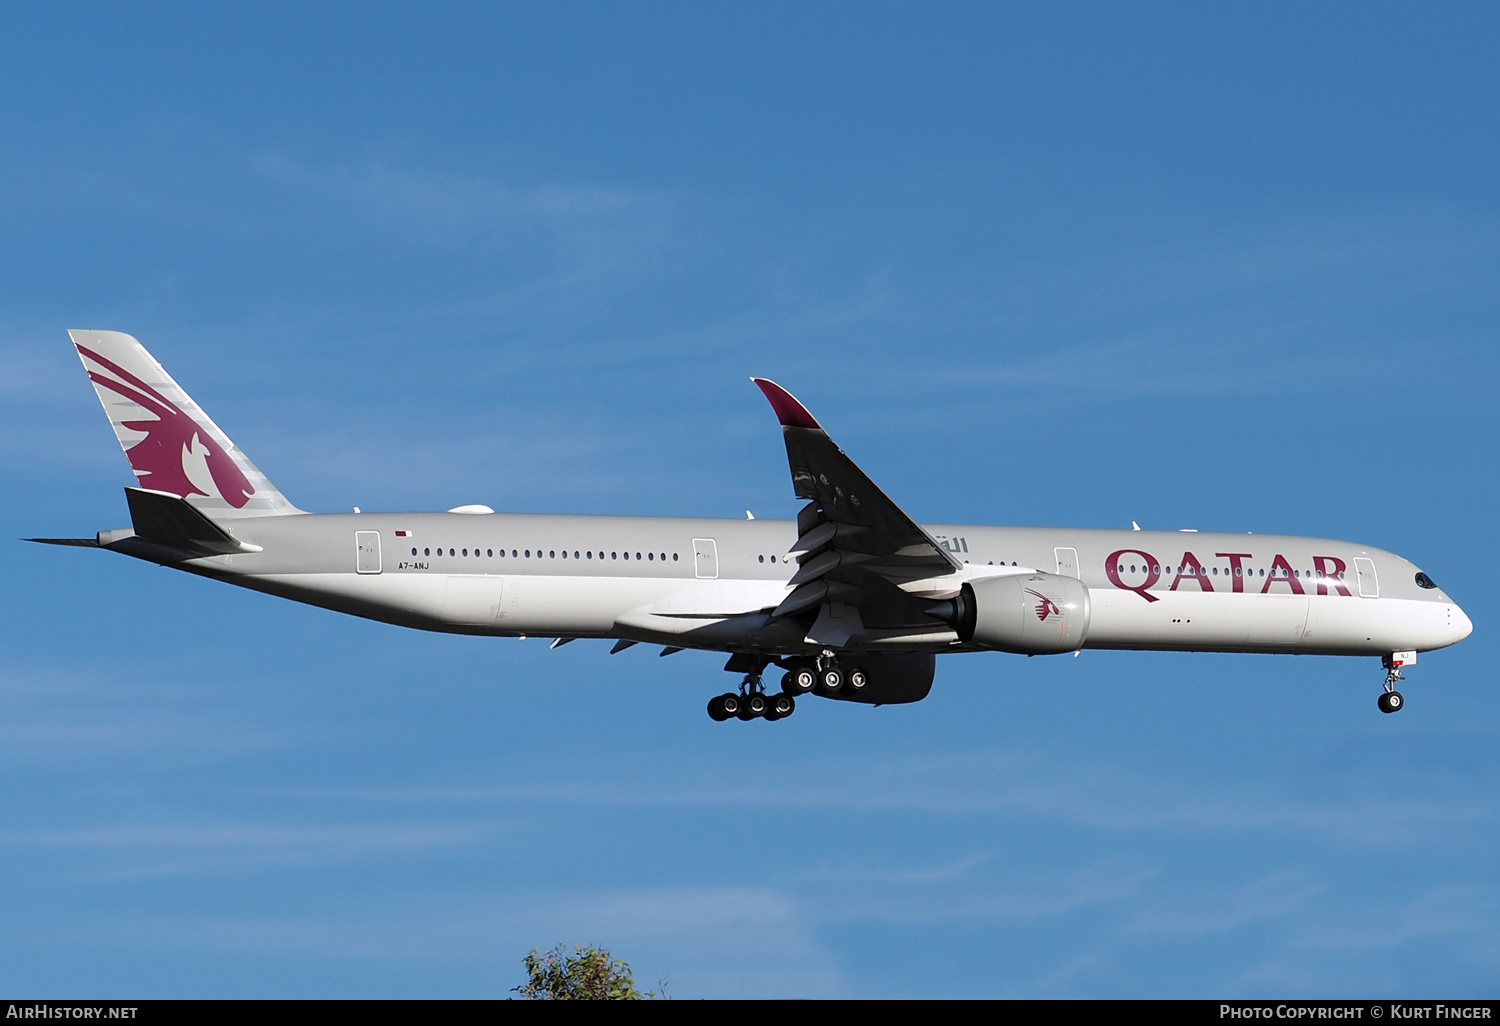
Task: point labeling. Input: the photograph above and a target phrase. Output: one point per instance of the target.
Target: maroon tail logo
(158, 457)
(1045, 607)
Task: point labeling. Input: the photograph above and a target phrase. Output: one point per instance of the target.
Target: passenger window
(773, 559)
(611, 555)
(674, 557)
(637, 555)
(762, 558)
(413, 552)
(426, 552)
(565, 553)
(551, 553)
(490, 553)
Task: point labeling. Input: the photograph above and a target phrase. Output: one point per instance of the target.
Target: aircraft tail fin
(171, 444)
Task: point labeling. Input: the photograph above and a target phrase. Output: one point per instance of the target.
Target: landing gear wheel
(752, 706)
(857, 679)
(800, 681)
(831, 679)
(781, 706)
(1391, 702)
(722, 707)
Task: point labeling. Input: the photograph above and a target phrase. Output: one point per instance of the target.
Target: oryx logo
(1045, 607)
(176, 451)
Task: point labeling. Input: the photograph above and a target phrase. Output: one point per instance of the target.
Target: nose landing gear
(1391, 701)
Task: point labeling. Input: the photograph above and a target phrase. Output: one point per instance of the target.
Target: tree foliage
(588, 974)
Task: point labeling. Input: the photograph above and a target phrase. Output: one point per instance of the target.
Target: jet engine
(1031, 614)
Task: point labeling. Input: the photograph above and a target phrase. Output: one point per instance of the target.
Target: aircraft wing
(855, 545)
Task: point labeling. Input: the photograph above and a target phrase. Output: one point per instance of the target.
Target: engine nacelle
(891, 679)
(1032, 614)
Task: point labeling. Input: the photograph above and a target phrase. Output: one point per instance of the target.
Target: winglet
(789, 411)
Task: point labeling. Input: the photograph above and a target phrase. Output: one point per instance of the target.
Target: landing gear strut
(1391, 700)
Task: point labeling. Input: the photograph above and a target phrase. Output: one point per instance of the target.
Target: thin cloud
(1274, 896)
(1115, 797)
(448, 209)
(1383, 926)
(175, 849)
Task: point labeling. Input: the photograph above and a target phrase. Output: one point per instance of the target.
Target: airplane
(852, 600)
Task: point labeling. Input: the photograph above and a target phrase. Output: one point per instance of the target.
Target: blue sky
(1226, 268)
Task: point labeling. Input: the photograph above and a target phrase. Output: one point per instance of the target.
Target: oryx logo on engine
(1045, 607)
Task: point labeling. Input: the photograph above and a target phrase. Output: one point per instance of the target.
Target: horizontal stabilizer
(82, 543)
(165, 519)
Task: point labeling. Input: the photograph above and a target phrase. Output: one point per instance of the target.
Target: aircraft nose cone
(1462, 625)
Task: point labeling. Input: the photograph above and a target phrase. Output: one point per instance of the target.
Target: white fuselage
(712, 583)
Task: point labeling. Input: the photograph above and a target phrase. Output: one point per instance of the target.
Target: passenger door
(367, 552)
(1067, 561)
(705, 558)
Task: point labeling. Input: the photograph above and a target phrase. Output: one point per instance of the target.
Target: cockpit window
(1423, 581)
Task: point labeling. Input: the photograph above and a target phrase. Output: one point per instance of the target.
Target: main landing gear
(753, 706)
(1391, 700)
(752, 703)
(822, 675)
